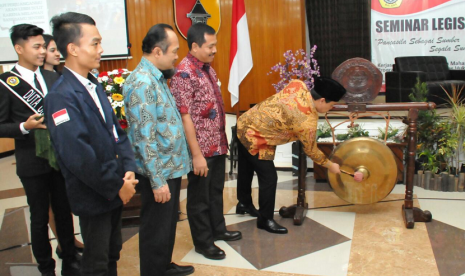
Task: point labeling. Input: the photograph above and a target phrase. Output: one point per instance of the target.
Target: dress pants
(103, 242)
(43, 191)
(205, 202)
(267, 181)
(157, 231)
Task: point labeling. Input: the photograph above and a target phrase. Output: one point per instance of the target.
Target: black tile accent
(448, 243)
(14, 233)
(12, 193)
(263, 249)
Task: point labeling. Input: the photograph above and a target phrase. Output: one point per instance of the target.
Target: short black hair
(48, 38)
(22, 32)
(327, 88)
(67, 29)
(156, 37)
(196, 33)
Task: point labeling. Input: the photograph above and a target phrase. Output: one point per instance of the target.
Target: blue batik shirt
(155, 126)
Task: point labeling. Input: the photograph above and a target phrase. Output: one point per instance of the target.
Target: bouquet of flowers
(112, 82)
(298, 65)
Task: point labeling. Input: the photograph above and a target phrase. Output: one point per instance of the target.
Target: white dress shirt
(28, 76)
(91, 88)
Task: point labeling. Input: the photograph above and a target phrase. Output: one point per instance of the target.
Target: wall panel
(274, 26)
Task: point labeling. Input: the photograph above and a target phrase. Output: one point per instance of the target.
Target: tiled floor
(335, 239)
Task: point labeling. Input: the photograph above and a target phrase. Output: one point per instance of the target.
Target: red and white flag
(240, 59)
(60, 117)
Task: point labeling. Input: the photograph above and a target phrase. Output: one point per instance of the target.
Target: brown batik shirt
(288, 116)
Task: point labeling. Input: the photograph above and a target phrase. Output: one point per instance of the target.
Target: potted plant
(457, 119)
(355, 131)
(323, 130)
(427, 121)
(392, 134)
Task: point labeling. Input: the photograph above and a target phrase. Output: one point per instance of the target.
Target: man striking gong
(290, 115)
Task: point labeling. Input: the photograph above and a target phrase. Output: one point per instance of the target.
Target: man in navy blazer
(93, 151)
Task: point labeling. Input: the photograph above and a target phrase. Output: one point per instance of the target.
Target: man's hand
(200, 165)
(162, 194)
(334, 168)
(33, 123)
(127, 191)
(129, 176)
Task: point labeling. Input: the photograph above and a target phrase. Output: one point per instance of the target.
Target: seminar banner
(417, 28)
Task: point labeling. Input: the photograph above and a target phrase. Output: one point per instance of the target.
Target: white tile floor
(447, 211)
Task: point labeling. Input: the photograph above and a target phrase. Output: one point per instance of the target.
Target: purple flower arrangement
(298, 65)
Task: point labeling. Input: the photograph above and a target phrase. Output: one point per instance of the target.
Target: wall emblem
(390, 4)
(188, 12)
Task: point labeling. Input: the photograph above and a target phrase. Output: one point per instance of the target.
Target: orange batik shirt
(288, 116)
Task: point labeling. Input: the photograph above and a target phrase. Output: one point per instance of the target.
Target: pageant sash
(34, 100)
(30, 96)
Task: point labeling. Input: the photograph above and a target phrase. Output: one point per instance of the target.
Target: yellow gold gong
(374, 160)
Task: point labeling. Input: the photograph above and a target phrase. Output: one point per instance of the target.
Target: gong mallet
(358, 175)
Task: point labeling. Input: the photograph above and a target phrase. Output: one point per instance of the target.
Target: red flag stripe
(238, 11)
(59, 113)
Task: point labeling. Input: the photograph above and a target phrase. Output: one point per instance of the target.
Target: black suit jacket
(92, 161)
(12, 113)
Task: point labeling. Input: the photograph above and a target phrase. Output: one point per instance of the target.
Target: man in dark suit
(21, 104)
(93, 151)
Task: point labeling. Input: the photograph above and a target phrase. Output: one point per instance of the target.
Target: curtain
(340, 29)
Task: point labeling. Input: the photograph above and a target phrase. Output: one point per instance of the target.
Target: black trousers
(157, 227)
(103, 242)
(43, 191)
(267, 181)
(205, 202)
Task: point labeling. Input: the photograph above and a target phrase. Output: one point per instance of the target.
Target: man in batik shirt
(162, 157)
(198, 98)
(290, 115)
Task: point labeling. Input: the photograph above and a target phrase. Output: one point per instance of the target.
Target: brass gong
(370, 157)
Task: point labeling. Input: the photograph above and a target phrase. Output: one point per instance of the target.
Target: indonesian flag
(240, 59)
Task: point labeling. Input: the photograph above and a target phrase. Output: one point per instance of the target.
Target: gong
(374, 160)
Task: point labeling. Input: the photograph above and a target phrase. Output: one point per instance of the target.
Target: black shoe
(271, 226)
(179, 270)
(250, 209)
(76, 254)
(50, 273)
(212, 252)
(71, 268)
(229, 236)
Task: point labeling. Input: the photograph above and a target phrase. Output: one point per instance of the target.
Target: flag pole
(236, 107)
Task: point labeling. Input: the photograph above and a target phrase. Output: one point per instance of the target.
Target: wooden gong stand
(410, 214)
